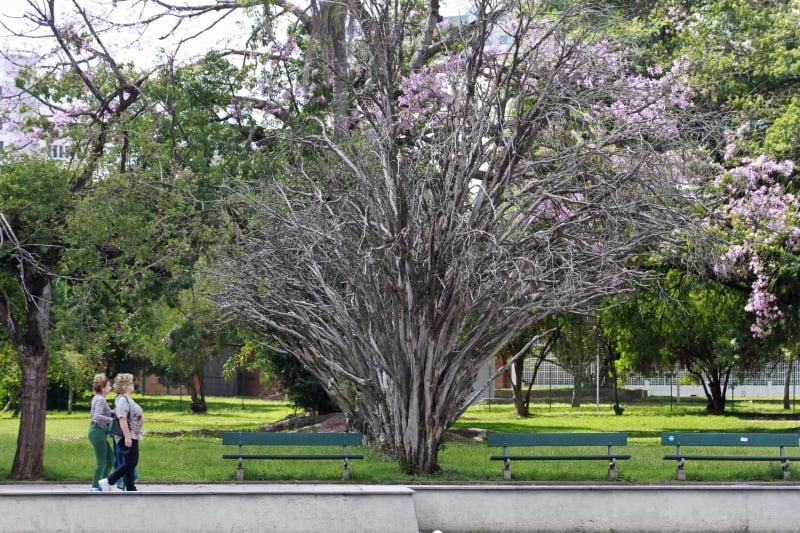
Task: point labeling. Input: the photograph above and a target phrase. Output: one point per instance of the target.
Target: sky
(11, 12)
(231, 32)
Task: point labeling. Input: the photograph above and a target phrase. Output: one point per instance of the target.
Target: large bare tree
(494, 173)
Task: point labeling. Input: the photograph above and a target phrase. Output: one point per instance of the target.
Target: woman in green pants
(98, 431)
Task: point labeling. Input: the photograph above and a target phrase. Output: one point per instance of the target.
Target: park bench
(302, 439)
(560, 440)
(730, 440)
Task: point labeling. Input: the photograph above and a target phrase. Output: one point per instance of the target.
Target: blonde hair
(121, 383)
(100, 381)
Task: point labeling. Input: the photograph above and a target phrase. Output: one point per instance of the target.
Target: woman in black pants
(130, 418)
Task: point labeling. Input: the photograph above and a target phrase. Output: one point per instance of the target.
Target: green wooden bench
(731, 440)
(516, 440)
(243, 438)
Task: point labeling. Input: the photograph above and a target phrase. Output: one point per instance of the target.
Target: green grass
(184, 447)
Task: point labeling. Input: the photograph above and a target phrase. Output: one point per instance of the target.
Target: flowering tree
(764, 218)
(491, 174)
(744, 58)
(749, 58)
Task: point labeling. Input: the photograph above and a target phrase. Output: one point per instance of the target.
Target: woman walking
(130, 416)
(100, 416)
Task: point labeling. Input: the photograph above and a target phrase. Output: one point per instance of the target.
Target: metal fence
(768, 382)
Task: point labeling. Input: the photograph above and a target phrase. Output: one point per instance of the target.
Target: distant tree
(577, 349)
(694, 324)
(285, 371)
(518, 355)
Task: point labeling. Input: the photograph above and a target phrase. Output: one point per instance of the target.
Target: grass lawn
(184, 447)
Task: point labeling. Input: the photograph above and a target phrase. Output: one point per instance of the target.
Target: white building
(11, 116)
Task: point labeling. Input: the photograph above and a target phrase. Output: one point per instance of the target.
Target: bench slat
(265, 438)
(557, 439)
(729, 439)
(558, 457)
(292, 456)
(732, 457)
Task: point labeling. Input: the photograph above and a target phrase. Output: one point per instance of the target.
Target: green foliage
(37, 203)
(282, 369)
(692, 323)
(74, 370)
(10, 375)
(578, 342)
(746, 58)
(35, 199)
(783, 135)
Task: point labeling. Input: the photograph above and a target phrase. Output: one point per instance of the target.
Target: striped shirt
(100, 412)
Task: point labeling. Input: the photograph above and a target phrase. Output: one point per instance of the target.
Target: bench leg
(240, 474)
(787, 474)
(680, 473)
(506, 473)
(345, 473)
(612, 469)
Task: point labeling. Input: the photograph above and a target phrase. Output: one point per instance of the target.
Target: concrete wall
(345, 508)
(210, 509)
(608, 508)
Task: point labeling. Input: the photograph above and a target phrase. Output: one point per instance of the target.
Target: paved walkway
(13, 487)
(209, 488)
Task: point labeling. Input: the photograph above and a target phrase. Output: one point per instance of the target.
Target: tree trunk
(716, 397)
(618, 409)
(422, 423)
(419, 453)
(577, 386)
(13, 403)
(29, 457)
(30, 343)
(198, 392)
(521, 401)
(787, 381)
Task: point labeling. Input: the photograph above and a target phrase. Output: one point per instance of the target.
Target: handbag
(115, 428)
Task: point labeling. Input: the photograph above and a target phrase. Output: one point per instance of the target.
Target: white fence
(767, 383)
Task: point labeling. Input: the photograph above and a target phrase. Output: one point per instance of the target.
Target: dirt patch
(467, 435)
(304, 422)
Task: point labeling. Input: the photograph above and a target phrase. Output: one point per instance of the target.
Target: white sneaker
(104, 486)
